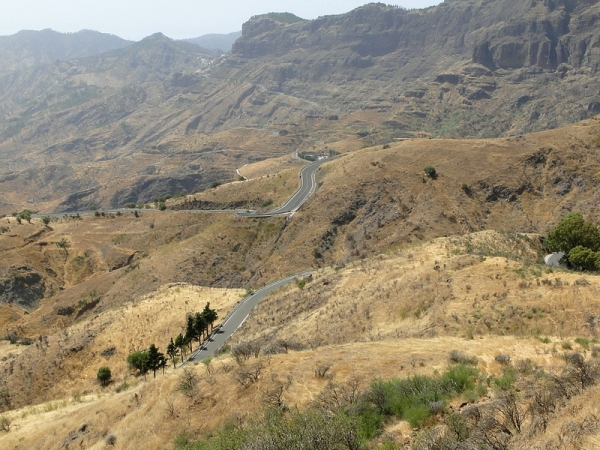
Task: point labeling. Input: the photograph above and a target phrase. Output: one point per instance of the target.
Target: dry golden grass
(271, 166)
(451, 287)
(140, 414)
(66, 362)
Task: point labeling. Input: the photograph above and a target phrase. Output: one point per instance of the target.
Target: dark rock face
(497, 55)
(499, 34)
(22, 285)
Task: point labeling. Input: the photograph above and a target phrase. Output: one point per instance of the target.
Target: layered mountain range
(162, 116)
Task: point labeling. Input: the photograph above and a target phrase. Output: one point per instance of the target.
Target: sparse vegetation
(431, 172)
(104, 375)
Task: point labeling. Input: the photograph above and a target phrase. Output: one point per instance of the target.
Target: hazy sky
(178, 19)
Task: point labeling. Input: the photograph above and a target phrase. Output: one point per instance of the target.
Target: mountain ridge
(28, 48)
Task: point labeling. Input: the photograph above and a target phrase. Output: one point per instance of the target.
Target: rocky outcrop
(22, 285)
(498, 34)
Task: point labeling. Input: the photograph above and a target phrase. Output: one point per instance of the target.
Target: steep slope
(461, 69)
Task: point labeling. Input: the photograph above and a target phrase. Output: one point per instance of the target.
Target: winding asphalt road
(308, 185)
(240, 313)
(236, 318)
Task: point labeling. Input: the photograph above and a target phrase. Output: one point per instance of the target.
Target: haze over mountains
(372, 75)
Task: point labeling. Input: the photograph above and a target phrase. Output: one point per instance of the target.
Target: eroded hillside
(161, 117)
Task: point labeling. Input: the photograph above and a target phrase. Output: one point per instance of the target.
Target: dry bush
(111, 440)
(274, 396)
(544, 401)
(248, 375)
(188, 383)
(5, 423)
(458, 357)
(284, 346)
(243, 352)
(321, 371)
(170, 407)
(509, 413)
(336, 396)
(503, 359)
(580, 372)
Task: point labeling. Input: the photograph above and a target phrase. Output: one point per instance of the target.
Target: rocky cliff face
(462, 68)
(495, 33)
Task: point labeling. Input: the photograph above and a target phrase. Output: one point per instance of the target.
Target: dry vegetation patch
(66, 362)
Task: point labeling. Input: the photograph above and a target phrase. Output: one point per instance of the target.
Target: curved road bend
(308, 185)
(236, 318)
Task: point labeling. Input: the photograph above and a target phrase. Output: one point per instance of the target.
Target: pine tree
(172, 351)
(155, 359)
(181, 344)
(190, 332)
(104, 376)
(162, 362)
(200, 324)
(210, 315)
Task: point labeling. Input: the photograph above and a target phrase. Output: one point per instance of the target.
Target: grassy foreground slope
(389, 316)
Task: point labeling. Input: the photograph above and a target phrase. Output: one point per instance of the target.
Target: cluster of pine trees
(197, 329)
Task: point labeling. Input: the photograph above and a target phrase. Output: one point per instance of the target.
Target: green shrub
(215, 184)
(508, 378)
(25, 215)
(566, 345)
(46, 220)
(459, 378)
(104, 375)
(416, 415)
(370, 424)
(585, 343)
(431, 172)
(579, 239)
(386, 146)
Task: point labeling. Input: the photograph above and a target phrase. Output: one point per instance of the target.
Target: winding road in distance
(308, 185)
(240, 313)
